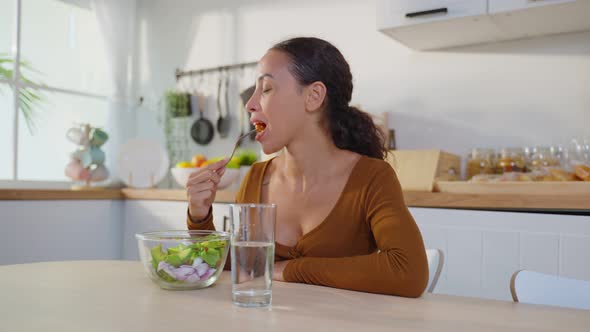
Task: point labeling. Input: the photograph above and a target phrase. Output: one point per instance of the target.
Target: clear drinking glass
(252, 253)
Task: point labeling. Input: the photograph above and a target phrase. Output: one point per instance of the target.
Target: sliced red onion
(197, 261)
(192, 278)
(166, 267)
(208, 274)
(202, 269)
(184, 272)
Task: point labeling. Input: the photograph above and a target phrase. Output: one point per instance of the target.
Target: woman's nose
(252, 105)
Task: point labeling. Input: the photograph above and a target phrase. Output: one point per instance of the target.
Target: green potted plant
(29, 97)
(177, 109)
(177, 104)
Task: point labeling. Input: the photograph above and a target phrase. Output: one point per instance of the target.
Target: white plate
(142, 163)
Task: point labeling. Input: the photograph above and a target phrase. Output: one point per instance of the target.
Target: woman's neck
(310, 158)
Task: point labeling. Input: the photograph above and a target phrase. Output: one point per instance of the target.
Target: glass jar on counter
(481, 161)
(543, 156)
(511, 160)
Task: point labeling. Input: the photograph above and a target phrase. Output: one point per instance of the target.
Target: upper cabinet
(411, 12)
(498, 6)
(437, 24)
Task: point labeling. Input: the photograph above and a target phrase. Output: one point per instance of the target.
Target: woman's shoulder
(373, 173)
(375, 166)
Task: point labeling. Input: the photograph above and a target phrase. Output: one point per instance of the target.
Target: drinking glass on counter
(252, 253)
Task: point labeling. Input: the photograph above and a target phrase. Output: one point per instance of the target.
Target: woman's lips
(260, 135)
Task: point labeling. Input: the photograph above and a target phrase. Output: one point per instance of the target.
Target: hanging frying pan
(223, 123)
(202, 130)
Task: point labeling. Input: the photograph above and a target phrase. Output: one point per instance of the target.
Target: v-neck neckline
(332, 210)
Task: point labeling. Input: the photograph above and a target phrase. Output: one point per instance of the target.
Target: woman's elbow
(412, 278)
(414, 289)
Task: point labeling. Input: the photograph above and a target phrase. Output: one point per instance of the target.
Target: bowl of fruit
(183, 259)
(184, 169)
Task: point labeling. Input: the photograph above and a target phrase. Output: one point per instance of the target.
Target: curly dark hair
(313, 60)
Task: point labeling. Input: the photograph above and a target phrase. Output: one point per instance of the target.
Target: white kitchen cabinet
(526, 18)
(398, 13)
(426, 25)
(221, 216)
(148, 216)
(144, 216)
(482, 249)
(439, 24)
(498, 6)
(42, 231)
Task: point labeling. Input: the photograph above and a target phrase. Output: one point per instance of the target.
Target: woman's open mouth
(260, 126)
(260, 129)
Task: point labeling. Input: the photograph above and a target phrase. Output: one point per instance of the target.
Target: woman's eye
(265, 90)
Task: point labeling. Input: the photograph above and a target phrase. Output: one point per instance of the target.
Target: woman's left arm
(399, 267)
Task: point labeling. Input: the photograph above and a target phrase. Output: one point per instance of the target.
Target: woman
(341, 218)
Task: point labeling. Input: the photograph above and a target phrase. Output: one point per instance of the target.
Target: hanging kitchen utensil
(202, 130)
(223, 123)
(219, 85)
(246, 95)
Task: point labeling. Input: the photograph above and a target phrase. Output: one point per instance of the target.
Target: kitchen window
(62, 41)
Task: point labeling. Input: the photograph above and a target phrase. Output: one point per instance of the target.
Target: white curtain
(116, 19)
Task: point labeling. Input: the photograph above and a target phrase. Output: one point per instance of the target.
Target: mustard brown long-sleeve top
(369, 241)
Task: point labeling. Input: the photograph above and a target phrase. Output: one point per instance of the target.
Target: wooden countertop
(579, 202)
(498, 201)
(118, 296)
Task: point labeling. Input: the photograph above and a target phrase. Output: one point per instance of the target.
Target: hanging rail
(180, 73)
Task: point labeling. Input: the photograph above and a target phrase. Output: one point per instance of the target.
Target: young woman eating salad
(341, 217)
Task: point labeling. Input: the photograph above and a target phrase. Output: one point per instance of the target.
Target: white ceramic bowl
(181, 176)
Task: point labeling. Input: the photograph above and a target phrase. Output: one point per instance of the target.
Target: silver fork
(236, 146)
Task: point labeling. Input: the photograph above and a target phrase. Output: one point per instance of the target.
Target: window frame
(16, 85)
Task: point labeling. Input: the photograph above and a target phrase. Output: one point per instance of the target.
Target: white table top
(118, 296)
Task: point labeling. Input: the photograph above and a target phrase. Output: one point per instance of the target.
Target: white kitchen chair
(540, 288)
(435, 265)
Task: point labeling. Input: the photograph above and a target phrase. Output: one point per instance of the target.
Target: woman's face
(277, 102)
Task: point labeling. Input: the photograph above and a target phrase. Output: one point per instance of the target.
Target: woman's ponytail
(354, 130)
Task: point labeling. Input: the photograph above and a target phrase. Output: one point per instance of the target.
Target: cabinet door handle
(428, 12)
(225, 218)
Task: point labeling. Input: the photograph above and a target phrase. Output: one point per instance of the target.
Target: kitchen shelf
(59, 194)
(534, 202)
(579, 203)
(551, 188)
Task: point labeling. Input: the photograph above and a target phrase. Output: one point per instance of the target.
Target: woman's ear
(315, 96)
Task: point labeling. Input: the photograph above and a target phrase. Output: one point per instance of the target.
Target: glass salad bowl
(183, 259)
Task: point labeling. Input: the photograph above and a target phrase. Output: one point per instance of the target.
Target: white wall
(527, 92)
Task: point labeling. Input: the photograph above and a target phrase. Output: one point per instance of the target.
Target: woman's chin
(269, 148)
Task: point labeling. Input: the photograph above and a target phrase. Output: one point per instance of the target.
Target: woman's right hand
(201, 188)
